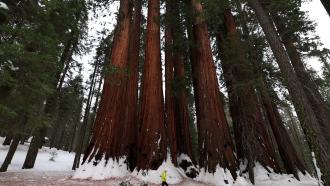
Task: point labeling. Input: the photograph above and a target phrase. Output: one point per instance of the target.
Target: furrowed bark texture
(169, 80)
(215, 143)
(107, 132)
(152, 142)
(129, 139)
(317, 141)
(253, 141)
(184, 143)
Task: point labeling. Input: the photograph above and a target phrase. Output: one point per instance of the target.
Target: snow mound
(265, 178)
(219, 177)
(3, 5)
(105, 169)
(174, 175)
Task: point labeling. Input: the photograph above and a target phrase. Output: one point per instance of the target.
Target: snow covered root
(174, 175)
(105, 169)
(185, 162)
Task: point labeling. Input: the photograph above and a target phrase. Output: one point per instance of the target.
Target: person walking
(164, 177)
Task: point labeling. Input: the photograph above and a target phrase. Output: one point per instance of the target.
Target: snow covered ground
(58, 172)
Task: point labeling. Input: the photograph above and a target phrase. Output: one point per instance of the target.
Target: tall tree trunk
(86, 121)
(182, 120)
(152, 138)
(129, 139)
(320, 107)
(317, 141)
(290, 157)
(107, 132)
(184, 145)
(215, 143)
(10, 154)
(169, 80)
(36, 143)
(252, 138)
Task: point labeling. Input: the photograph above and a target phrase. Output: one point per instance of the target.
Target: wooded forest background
(236, 89)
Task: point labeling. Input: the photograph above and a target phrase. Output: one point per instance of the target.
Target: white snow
(3, 5)
(220, 177)
(262, 178)
(116, 172)
(63, 160)
(318, 171)
(103, 170)
(174, 174)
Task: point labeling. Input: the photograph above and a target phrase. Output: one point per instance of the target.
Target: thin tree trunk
(215, 143)
(152, 138)
(7, 140)
(10, 154)
(320, 107)
(84, 126)
(290, 157)
(317, 141)
(36, 143)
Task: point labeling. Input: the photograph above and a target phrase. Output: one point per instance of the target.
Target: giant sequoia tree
(106, 139)
(152, 138)
(215, 143)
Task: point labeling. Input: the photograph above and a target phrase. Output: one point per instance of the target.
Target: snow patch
(219, 177)
(105, 169)
(318, 171)
(63, 161)
(174, 175)
(3, 5)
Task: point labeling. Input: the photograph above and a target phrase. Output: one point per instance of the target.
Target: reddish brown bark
(152, 142)
(215, 143)
(169, 79)
(252, 138)
(182, 122)
(129, 138)
(107, 133)
(181, 109)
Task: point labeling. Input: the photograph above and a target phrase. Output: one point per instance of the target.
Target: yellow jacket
(164, 176)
